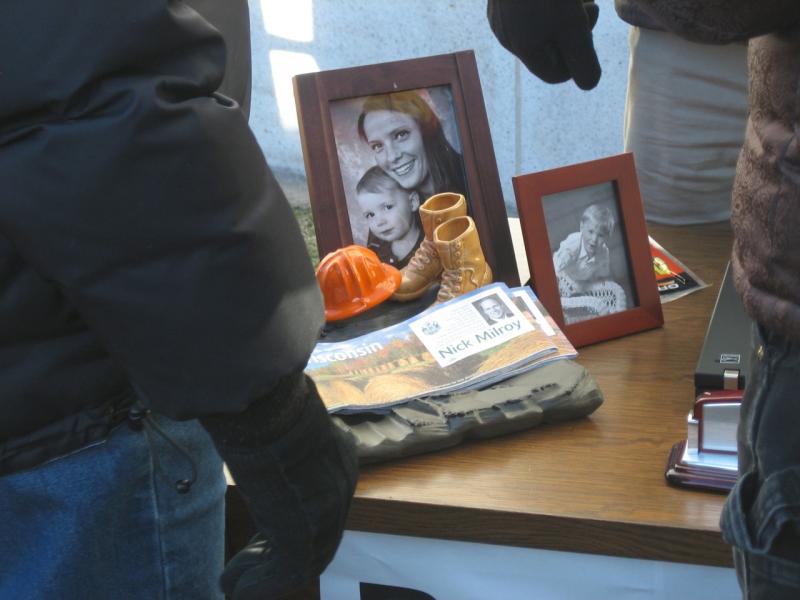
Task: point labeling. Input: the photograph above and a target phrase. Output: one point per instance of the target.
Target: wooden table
(595, 485)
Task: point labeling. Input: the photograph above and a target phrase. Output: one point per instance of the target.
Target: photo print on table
(379, 140)
(395, 150)
(587, 248)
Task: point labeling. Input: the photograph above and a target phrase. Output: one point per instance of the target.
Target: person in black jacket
(156, 302)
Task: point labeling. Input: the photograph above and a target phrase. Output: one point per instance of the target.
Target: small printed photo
(492, 309)
(395, 150)
(590, 258)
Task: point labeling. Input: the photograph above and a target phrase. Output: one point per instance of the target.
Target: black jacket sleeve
(141, 193)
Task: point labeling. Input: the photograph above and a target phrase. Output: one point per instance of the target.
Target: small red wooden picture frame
(587, 248)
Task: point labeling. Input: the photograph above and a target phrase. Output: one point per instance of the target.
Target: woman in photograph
(409, 145)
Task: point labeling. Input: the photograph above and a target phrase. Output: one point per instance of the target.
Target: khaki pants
(685, 119)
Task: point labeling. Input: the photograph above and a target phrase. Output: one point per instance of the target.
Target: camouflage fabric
(555, 392)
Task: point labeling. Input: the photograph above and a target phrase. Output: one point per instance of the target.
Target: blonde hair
(599, 214)
(443, 161)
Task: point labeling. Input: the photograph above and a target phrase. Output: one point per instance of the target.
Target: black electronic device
(725, 358)
(707, 459)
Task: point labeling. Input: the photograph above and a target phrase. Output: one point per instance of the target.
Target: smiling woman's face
(396, 141)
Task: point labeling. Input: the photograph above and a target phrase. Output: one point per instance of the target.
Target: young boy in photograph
(583, 256)
(583, 267)
(392, 215)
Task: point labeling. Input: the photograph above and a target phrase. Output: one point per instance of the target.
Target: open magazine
(469, 342)
(535, 311)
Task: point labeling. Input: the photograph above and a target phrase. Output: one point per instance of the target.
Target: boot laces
(423, 256)
(451, 283)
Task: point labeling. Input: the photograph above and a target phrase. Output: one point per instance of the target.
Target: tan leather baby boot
(459, 248)
(424, 269)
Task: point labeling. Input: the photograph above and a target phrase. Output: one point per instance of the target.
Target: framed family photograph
(587, 247)
(379, 140)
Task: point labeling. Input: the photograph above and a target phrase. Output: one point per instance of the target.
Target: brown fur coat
(766, 196)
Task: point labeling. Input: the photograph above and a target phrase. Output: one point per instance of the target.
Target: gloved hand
(553, 38)
(297, 472)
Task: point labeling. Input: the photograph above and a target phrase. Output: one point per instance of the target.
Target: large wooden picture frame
(586, 242)
(338, 150)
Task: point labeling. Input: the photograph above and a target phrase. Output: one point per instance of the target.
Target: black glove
(297, 472)
(553, 38)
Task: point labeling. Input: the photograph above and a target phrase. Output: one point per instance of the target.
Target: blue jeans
(761, 517)
(107, 521)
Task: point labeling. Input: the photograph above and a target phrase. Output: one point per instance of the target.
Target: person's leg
(108, 522)
(761, 517)
(685, 118)
(192, 524)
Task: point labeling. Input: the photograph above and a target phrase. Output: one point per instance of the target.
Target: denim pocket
(755, 517)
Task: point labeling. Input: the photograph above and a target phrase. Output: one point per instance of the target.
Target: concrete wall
(534, 125)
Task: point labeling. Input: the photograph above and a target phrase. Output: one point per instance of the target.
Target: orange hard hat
(353, 279)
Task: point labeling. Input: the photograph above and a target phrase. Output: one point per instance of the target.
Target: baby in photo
(583, 268)
(392, 214)
(583, 256)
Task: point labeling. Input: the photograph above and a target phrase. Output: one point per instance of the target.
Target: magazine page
(470, 341)
(674, 279)
(532, 307)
